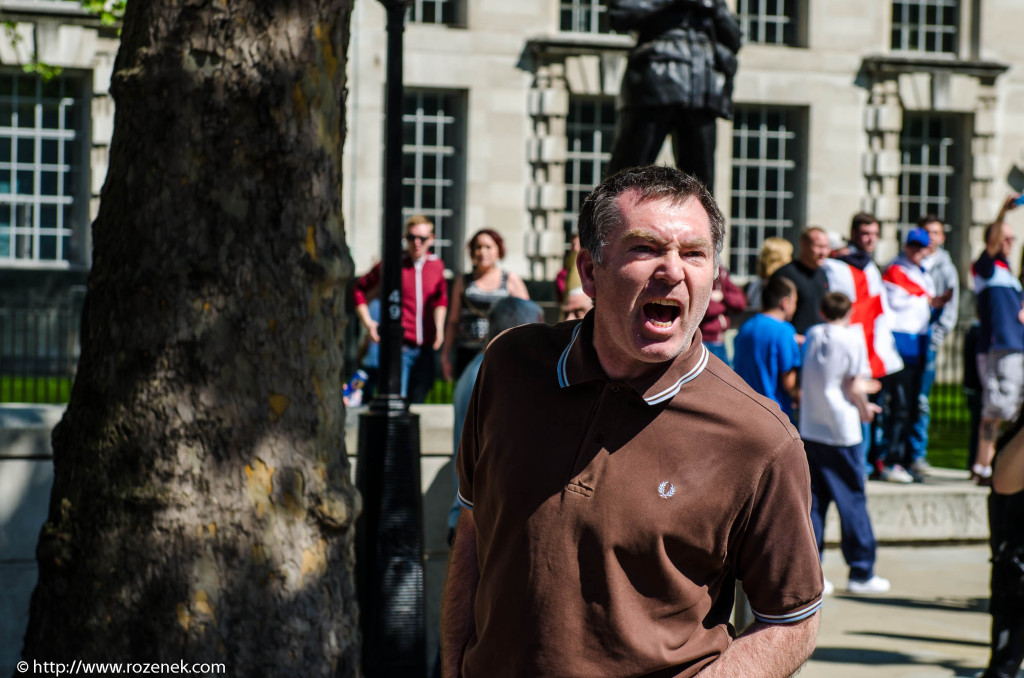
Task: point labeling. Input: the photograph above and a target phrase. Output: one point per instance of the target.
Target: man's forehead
(632, 200)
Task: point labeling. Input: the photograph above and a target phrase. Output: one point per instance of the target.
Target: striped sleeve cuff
(790, 617)
(465, 503)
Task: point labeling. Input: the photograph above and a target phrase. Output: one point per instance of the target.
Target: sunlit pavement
(934, 621)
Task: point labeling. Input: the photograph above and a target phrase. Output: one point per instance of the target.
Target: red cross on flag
(867, 293)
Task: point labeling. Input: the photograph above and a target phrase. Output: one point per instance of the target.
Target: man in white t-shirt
(834, 382)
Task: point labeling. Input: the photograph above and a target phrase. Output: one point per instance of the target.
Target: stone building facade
(899, 107)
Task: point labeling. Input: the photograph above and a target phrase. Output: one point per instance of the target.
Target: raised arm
(457, 618)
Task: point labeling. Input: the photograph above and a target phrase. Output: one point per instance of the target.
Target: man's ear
(585, 267)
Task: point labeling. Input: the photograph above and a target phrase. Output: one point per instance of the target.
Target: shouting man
(620, 479)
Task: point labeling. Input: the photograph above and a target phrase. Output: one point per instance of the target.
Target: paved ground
(933, 623)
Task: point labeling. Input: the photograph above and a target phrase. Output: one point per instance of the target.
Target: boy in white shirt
(835, 380)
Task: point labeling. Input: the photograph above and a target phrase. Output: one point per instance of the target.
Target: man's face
(1006, 240)
(418, 239)
(915, 253)
(814, 249)
(654, 286)
(866, 237)
(936, 234)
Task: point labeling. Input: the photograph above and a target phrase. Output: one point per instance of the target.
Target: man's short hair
(805, 235)
(600, 212)
(512, 312)
(775, 290)
(835, 306)
(861, 219)
(417, 219)
(929, 219)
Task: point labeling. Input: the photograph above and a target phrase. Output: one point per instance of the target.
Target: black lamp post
(389, 562)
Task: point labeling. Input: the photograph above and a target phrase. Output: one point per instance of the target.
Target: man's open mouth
(662, 312)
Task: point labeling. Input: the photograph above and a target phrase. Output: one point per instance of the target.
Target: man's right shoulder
(535, 341)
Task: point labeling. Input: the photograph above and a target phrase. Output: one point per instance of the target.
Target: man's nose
(671, 270)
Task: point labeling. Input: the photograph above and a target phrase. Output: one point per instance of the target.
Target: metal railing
(948, 404)
(39, 346)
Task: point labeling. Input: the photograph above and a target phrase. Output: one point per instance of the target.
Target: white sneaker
(897, 474)
(874, 585)
(828, 589)
(922, 466)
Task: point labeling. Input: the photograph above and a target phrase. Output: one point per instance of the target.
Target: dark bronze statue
(679, 79)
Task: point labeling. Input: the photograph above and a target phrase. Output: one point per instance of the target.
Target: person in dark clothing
(1006, 520)
(807, 274)
(678, 80)
(726, 299)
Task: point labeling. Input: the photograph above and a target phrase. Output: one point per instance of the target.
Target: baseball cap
(918, 236)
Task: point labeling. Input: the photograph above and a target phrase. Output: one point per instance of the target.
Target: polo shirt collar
(579, 363)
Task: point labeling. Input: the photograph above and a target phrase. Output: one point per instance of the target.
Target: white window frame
(912, 36)
(935, 170)
(756, 20)
(752, 167)
(446, 157)
(418, 10)
(599, 134)
(24, 233)
(585, 16)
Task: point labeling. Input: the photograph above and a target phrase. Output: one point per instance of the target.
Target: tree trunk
(201, 508)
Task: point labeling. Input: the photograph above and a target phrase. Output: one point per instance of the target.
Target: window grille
(41, 159)
(765, 181)
(589, 131)
(434, 12)
(769, 22)
(930, 26)
(928, 150)
(584, 16)
(432, 130)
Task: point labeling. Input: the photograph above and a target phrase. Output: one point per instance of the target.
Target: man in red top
(424, 305)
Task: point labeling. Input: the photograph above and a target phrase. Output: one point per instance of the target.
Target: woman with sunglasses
(472, 297)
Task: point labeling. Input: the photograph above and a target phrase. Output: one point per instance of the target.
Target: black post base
(389, 566)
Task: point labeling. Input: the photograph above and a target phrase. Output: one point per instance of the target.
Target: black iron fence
(39, 346)
(948, 403)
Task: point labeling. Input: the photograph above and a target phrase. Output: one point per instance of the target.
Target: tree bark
(202, 508)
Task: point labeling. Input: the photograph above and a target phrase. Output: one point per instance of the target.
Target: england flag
(870, 312)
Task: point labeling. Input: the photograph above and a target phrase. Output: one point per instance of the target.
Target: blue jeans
(417, 372)
(836, 476)
(919, 432)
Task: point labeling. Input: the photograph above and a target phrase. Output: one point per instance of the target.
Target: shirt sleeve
(777, 555)
(364, 284)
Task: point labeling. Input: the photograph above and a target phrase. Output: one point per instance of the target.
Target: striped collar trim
(651, 399)
(672, 390)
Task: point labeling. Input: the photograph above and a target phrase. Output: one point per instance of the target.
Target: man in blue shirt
(997, 293)
(766, 353)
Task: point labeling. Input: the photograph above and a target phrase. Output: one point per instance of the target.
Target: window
(41, 216)
(584, 16)
(928, 150)
(769, 22)
(925, 25)
(766, 144)
(434, 12)
(589, 130)
(432, 146)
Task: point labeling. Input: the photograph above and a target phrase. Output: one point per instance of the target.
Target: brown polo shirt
(613, 517)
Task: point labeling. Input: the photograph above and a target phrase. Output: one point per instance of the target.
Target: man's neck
(776, 313)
